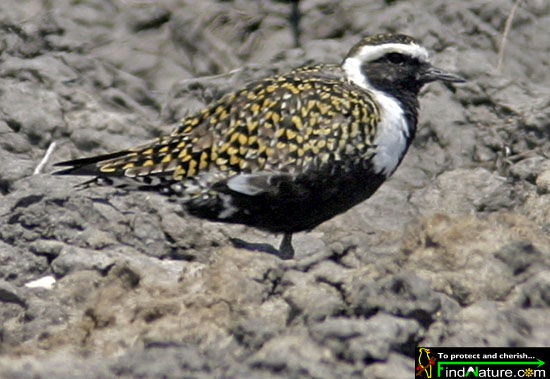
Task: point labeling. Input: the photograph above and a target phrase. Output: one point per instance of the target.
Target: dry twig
(44, 160)
(507, 28)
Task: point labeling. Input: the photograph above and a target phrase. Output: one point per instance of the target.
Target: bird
(288, 152)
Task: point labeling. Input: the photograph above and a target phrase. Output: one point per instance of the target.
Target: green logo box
(482, 362)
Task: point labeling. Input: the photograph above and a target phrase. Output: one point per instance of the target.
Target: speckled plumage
(282, 154)
(287, 123)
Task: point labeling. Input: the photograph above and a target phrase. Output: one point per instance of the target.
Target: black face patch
(394, 72)
(395, 58)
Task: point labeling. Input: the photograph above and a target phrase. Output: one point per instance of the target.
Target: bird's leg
(286, 251)
(261, 247)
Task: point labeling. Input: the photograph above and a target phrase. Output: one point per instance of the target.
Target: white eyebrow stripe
(369, 53)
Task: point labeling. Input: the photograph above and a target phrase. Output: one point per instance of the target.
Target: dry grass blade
(507, 28)
(44, 160)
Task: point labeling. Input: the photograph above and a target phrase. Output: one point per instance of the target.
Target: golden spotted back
(286, 123)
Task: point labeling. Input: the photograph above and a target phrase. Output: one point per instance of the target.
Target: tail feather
(161, 182)
(89, 166)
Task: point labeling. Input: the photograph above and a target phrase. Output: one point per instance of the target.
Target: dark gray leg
(286, 251)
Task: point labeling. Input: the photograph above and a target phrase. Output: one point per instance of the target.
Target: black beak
(433, 73)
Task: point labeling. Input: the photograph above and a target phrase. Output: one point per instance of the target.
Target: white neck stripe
(352, 67)
(369, 53)
(393, 129)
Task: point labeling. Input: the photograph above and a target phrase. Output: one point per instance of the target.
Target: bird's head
(392, 62)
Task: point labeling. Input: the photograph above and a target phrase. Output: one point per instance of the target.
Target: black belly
(301, 204)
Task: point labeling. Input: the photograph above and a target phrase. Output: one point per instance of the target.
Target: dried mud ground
(454, 250)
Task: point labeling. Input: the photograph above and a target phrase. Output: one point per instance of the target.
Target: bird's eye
(396, 58)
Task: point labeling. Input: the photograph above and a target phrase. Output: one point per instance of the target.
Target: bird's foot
(285, 251)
